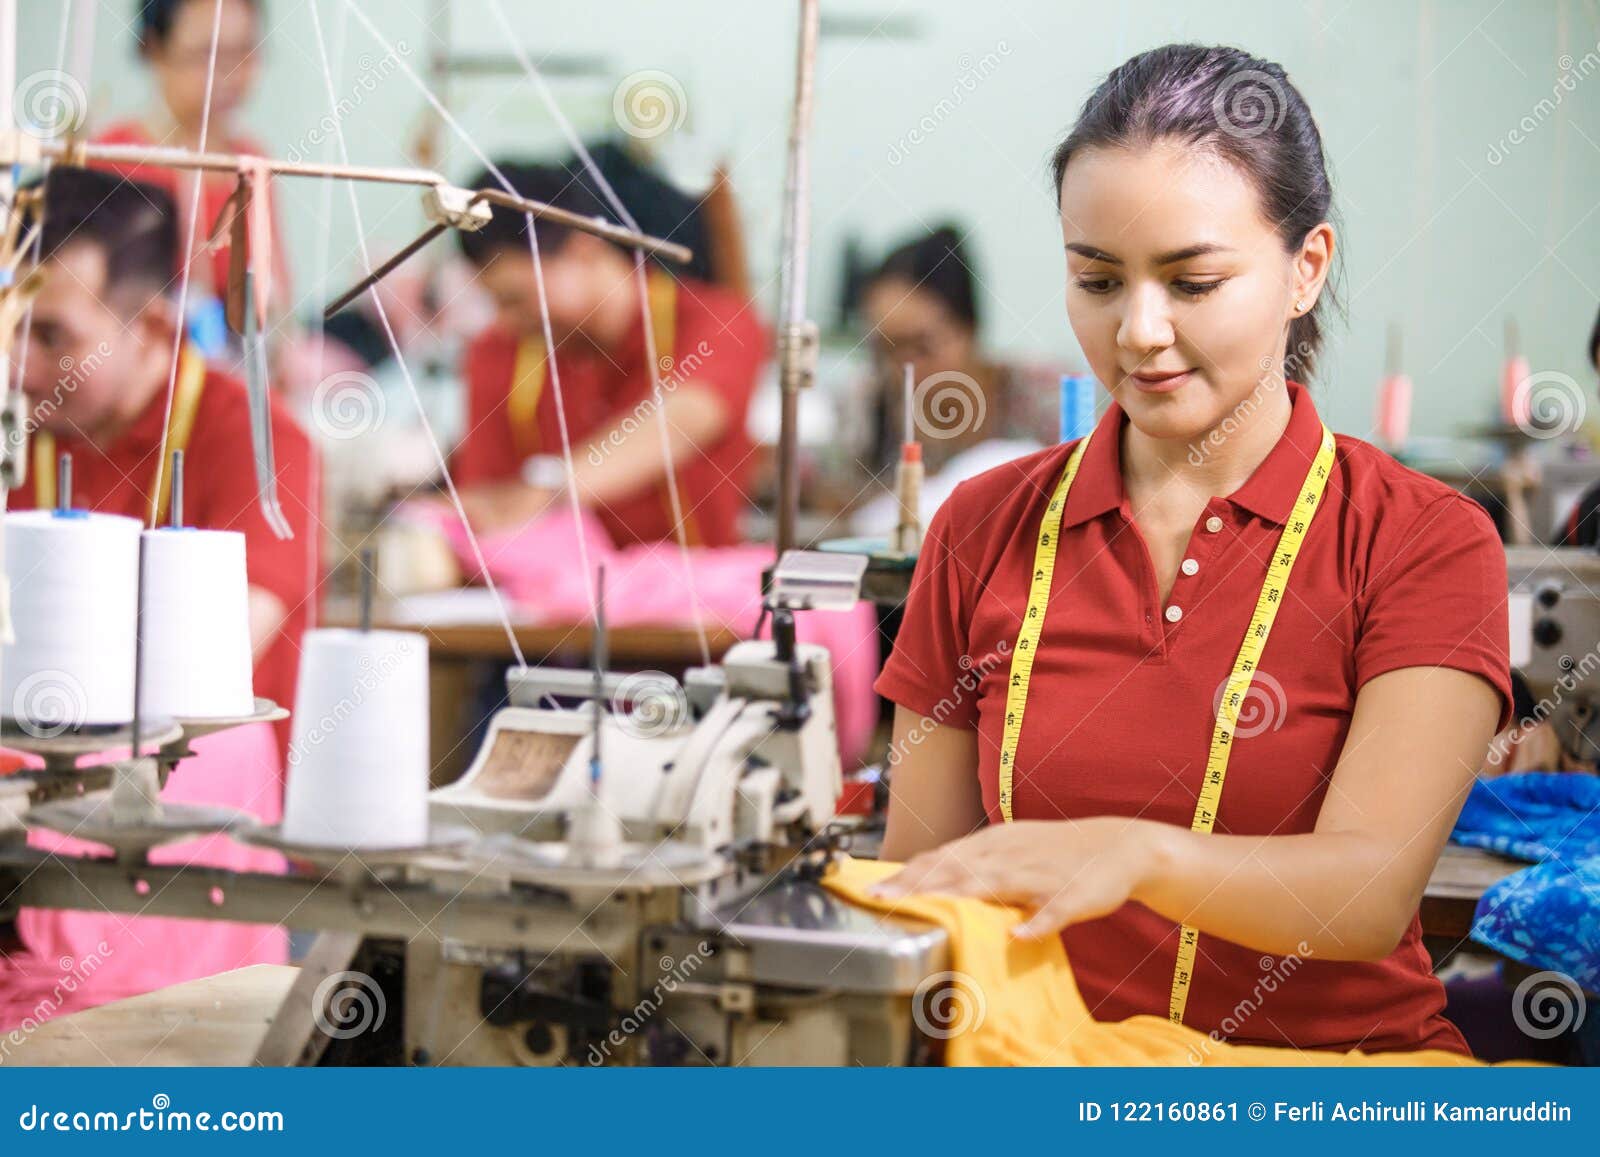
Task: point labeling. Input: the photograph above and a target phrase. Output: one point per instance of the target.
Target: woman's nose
(1146, 325)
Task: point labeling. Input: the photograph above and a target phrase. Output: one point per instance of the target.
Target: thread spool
(197, 659)
(358, 759)
(1394, 411)
(74, 602)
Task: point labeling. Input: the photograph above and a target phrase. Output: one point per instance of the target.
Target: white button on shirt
(1190, 566)
(1174, 614)
(1213, 524)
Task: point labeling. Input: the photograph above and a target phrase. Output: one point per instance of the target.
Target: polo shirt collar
(1270, 491)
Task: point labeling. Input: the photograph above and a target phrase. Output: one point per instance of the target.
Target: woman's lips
(1160, 383)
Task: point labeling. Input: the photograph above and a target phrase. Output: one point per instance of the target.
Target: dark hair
(1244, 108)
(134, 225)
(558, 185)
(154, 19)
(1594, 341)
(936, 263)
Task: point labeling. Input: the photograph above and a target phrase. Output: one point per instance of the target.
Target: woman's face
(1178, 288)
(181, 61)
(909, 324)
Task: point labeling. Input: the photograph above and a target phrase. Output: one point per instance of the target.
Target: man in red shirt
(710, 347)
(96, 376)
(99, 361)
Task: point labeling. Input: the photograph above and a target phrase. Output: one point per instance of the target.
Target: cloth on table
(538, 566)
(1014, 1002)
(1546, 916)
(72, 960)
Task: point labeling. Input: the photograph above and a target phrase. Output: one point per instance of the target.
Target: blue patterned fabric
(1546, 916)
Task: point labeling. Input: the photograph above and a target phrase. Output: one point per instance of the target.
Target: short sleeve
(720, 344)
(926, 662)
(486, 451)
(1440, 601)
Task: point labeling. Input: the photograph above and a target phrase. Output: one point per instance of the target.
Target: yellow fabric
(1015, 1001)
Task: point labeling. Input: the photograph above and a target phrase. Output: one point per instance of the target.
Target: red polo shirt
(1397, 570)
(719, 343)
(219, 493)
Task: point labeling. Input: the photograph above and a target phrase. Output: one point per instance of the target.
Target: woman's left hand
(1063, 871)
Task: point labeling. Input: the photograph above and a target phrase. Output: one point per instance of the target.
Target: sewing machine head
(1555, 639)
(739, 760)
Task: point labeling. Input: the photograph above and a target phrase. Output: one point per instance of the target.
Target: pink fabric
(539, 567)
(75, 960)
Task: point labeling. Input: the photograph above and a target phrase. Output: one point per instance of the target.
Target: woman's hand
(504, 505)
(1063, 871)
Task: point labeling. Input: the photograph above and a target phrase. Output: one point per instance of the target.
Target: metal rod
(797, 347)
(64, 482)
(910, 405)
(80, 154)
(381, 271)
(176, 505)
(138, 652)
(600, 660)
(368, 557)
(598, 226)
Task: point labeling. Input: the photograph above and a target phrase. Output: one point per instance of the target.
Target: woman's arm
(1345, 891)
(934, 796)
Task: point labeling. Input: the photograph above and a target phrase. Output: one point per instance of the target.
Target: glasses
(229, 57)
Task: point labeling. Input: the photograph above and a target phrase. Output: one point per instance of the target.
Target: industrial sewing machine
(666, 913)
(1555, 639)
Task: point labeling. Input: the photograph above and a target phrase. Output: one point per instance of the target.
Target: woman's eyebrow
(1092, 253)
(1171, 258)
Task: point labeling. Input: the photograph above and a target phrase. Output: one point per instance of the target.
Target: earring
(1299, 307)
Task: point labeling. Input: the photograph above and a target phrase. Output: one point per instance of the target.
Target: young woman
(1205, 690)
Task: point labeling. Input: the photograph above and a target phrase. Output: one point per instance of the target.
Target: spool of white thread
(358, 760)
(197, 659)
(74, 607)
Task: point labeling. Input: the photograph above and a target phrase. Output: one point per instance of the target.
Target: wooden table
(1458, 882)
(465, 637)
(217, 1021)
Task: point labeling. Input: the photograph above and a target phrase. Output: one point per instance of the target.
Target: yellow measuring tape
(185, 405)
(1233, 696)
(530, 369)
